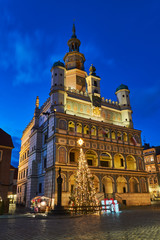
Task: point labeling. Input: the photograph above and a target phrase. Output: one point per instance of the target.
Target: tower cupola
(122, 93)
(93, 82)
(74, 59)
(58, 84)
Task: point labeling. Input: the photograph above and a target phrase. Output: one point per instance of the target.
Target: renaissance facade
(75, 109)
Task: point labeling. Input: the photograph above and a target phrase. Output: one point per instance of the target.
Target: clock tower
(74, 64)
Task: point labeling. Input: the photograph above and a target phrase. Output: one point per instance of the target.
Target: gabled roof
(5, 139)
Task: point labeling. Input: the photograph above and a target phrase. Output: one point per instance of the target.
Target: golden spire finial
(37, 102)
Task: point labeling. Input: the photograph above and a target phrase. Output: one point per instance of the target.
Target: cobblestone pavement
(129, 224)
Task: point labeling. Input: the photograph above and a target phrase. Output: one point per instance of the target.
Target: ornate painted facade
(76, 109)
(152, 166)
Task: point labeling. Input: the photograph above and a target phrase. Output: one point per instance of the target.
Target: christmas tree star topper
(80, 142)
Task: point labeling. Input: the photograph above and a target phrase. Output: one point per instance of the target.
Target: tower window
(61, 74)
(55, 74)
(95, 83)
(127, 95)
(126, 119)
(55, 84)
(122, 95)
(95, 91)
(124, 104)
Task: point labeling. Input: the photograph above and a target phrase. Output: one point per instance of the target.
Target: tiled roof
(5, 139)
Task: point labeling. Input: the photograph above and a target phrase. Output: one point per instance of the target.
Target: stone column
(147, 185)
(128, 187)
(112, 159)
(115, 184)
(125, 161)
(140, 189)
(99, 153)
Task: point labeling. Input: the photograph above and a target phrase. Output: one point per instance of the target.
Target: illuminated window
(100, 132)
(93, 131)
(113, 135)
(125, 137)
(86, 129)
(71, 126)
(79, 128)
(105, 160)
(106, 132)
(119, 136)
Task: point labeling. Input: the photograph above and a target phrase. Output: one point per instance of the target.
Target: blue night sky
(120, 38)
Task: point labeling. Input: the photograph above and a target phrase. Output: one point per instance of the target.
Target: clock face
(96, 101)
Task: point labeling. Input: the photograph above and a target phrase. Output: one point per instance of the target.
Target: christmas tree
(84, 193)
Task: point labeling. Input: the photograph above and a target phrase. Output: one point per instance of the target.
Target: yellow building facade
(152, 166)
(76, 109)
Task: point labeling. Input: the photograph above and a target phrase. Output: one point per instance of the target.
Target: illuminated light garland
(84, 193)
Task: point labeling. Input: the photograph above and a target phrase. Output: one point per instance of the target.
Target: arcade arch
(105, 160)
(133, 185)
(73, 155)
(131, 162)
(91, 158)
(108, 185)
(121, 185)
(119, 161)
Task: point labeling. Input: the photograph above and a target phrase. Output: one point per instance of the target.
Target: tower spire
(74, 31)
(74, 59)
(37, 102)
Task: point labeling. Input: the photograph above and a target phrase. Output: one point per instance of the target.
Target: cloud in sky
(23, 57)
(25, 54)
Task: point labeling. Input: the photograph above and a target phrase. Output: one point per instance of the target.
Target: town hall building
(75, 109)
